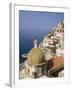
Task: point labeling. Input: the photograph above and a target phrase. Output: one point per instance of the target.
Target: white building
(59, 52)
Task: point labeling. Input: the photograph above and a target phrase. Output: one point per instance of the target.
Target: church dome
(35, 55)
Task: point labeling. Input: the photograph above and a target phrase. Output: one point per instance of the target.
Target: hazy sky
(35, 24)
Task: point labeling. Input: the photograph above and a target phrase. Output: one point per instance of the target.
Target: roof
(57, 62)
(35, 57)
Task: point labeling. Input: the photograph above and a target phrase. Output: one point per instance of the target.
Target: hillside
(53, 42)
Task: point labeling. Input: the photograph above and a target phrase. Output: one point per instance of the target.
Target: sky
(35, 24)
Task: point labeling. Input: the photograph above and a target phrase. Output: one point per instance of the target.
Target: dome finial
(36, 43)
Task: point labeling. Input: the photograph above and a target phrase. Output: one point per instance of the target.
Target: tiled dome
(35, 56)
